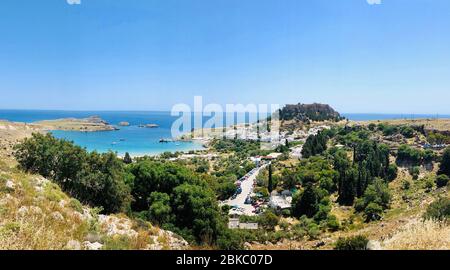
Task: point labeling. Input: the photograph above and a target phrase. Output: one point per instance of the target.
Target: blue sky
(392, 57)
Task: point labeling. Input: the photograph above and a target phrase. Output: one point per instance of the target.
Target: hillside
(402, 226)
(36, 214)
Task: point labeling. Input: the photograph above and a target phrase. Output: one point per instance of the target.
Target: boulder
(92, 246)
(374, 245)
(73, 245)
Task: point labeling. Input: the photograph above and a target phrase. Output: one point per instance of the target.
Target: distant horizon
(407, 115)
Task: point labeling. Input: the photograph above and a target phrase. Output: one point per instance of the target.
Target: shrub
(373, 212)
(410, 155)
(333, 223)
(392, 172)
(428, 184)
(229, 240)
(352, 243)
(415, 172)
(268, 220)
(360, 205)
(439, 209)
(442, 180)
(445, 163)
(406, 185)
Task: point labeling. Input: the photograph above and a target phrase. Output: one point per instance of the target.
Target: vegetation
(352, 243)
(408, 155)
(376, 198)
(439, 210)
(442, 180)
(242, 148)
(127, 158)
(438, 138)
(315, 145)
(182, 196)
(94, 179)
(445, 163)
(310, 202)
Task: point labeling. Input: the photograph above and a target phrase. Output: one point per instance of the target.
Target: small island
(90, 124)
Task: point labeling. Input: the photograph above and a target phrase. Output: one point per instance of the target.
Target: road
(247, 189)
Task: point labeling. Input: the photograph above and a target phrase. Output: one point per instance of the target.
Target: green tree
(127, 158)
(373, 211)
(196, 210)
(378, 193)
(92, 178)
(151, 176)
(160, 210)
(442, 180)
(268, 220)
(445, 163)
(315, 145)
(307, 203)
(270, 186)
(392, 172)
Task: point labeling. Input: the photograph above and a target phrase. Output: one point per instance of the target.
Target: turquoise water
(132, 139)
(140, 141)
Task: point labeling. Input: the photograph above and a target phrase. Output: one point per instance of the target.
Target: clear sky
(392, 57)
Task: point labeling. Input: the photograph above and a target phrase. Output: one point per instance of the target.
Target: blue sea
(132, 139)
(136, 140)
(380, 116)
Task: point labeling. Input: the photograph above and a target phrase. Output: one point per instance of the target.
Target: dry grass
(36, 215)
(434, 124)
(420, 235)
(29, 220)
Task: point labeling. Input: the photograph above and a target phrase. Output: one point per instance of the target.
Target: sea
(142, 141)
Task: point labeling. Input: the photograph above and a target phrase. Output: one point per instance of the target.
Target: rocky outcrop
(309, 112)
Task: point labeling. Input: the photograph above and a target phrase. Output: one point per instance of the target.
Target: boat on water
(165, 140)
(149, 126)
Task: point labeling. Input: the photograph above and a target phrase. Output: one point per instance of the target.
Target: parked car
(248, 200)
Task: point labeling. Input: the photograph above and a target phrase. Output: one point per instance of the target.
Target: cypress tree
(127, 158)
(270, 186)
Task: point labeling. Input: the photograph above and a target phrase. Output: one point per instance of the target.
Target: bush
(229, 240)
(445, 163)
(438, 210)
(333, 223)
(373, 212)
(415, 172)
(392, 172)
(428, 183)
(442, 180)
(409, 155)
(268, 220)
(406, 185)
(352, 243)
